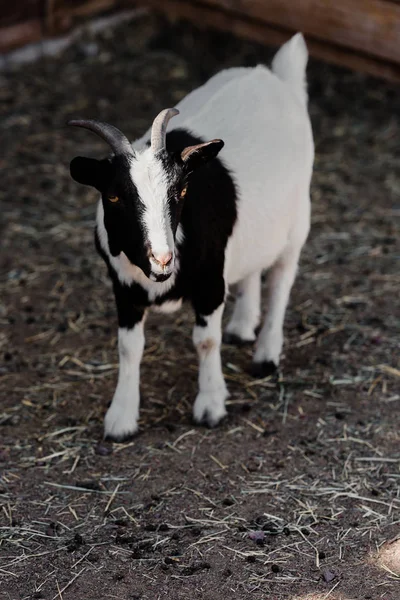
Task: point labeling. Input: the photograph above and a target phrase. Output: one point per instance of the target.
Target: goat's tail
(290, 63)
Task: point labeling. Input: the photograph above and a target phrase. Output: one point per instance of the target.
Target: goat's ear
(90, 171)
(195, 156)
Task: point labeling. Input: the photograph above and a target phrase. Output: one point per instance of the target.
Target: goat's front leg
(209, 406)
(122, 416)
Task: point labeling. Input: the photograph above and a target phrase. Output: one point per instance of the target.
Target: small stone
(74, 543)
(103, 449)
(257, 536)
(260, 542)
(328, 576)
(253, 465)
(51, 529)
(251, 558)
(270, 529)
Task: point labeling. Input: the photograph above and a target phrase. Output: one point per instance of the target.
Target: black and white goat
(176, 223)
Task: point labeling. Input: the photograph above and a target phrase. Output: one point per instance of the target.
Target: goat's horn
(118, 141)
(159, 128)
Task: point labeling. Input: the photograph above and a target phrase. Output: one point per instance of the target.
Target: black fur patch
(234, 340)
(263, 369)
(122, 219)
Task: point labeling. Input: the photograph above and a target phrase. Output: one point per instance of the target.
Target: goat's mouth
(159, 278)
(161, 272)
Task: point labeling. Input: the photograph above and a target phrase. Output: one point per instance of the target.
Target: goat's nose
(162, 259)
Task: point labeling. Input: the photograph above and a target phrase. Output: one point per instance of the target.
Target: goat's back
(262, 117)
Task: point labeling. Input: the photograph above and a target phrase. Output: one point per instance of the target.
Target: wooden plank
(367, 22)
(19, 11)
(372, 26)
(30, 21)
(61, 14)
(20, 34)
(81, 8)
(203, 16)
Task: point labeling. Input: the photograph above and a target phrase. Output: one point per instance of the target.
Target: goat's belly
(169, 306)
(248, 254)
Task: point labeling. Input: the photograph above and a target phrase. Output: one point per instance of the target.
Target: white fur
(122, 416)
(210, 401)
(290, 63)
(281, 278)
(151, 182)
(168, 307)
(246, 313)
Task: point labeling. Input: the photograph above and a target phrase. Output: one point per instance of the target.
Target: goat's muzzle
(162, 265)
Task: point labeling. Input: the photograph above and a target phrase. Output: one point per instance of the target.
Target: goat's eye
(183, 192)
(113, 198)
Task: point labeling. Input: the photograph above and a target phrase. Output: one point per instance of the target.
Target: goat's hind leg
(270, 340)
(246, 313)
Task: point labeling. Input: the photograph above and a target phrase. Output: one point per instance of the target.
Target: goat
(177, 222)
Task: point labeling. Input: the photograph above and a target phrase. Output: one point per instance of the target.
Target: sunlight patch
(388, 557)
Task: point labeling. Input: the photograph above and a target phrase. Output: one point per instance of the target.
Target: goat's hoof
(263, 369)
(234, 340)
(120, 438)
(119, 425)
(209, 408)
(209, 420)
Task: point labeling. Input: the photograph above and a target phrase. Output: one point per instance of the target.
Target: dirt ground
(296, 495)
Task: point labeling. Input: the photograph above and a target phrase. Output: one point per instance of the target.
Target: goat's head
(142, 192)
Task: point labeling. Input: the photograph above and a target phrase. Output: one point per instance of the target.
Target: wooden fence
(361, 34)
(28, 21)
